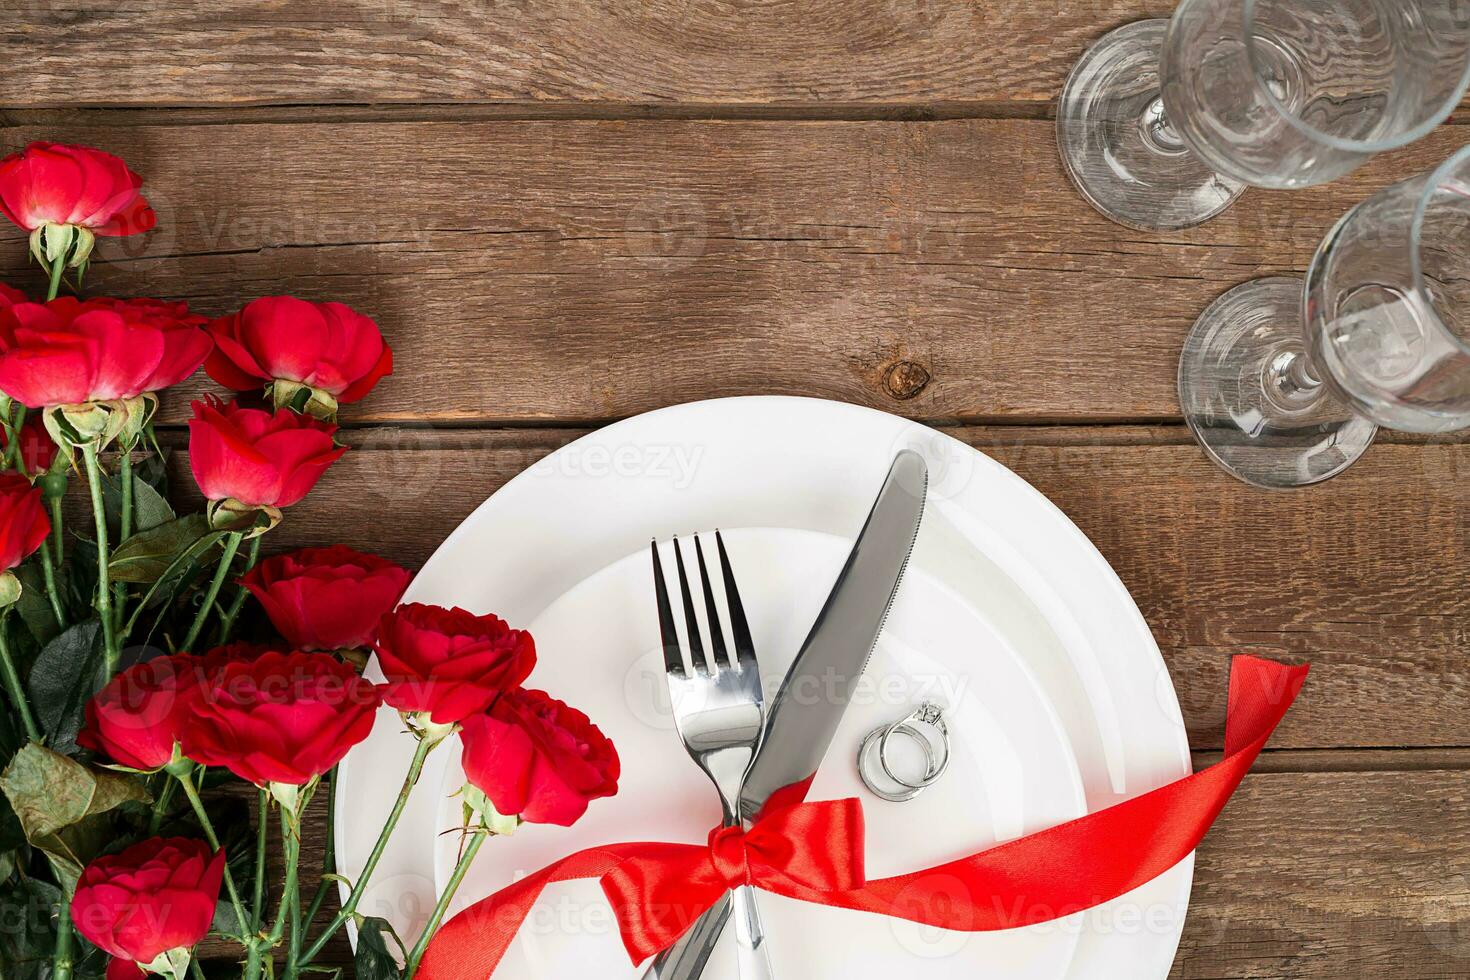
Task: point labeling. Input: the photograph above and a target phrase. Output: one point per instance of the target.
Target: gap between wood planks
(1021, 432)
(330, 113)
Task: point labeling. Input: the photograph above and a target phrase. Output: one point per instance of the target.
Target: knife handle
(685, 959)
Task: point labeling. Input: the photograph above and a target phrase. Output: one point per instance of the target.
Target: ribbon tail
(1094, 859)
(471, 944)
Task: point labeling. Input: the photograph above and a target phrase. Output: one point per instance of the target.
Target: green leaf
(29, 936)
(147, 555)
(67, 672)
(57, 799)
(373, 961)
(150, 507)
(226, 922)
(33, 606)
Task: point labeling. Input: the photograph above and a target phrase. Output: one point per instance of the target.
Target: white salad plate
(1008, 609)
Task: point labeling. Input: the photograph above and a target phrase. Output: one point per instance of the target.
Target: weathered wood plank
(1334, 875)
(1364, 575)
(580, 271)
(518, 51)
(1359, 882)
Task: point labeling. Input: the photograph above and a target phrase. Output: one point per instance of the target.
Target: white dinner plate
(1012, 770)
(989, 539)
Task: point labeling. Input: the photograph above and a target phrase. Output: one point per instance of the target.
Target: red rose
(257, 457)
(120, 969)
(137, 717)
(533, 756)
(153, 898)
(327, 346)
(67, 352)
(326, 598)
(37, 448)
(23, 521)
(281, 718)
(449, 663)
(56, 184)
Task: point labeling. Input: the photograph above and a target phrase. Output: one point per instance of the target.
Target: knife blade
(817, 689)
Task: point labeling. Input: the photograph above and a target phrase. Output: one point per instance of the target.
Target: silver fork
(717, 704)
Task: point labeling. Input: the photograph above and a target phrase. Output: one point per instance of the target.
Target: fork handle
(750, 937)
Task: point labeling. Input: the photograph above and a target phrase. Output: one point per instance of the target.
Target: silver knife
(804, 716)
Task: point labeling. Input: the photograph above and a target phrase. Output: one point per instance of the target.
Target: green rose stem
(358, 887)
(56, 533)
(232, 545)
(160, 805)
(124, 525)
(227, 622)
(328, 854)
(257, 907)
(61, 955)
(183, 771)
(13, 454)
(13, 686)
(104, 586)
(291, 843)
(477, 837)
(58, 264)
(48, 574)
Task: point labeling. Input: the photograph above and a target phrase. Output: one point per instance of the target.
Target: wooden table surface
(564, 213)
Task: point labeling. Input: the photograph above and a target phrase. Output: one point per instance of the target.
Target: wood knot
(905, 379)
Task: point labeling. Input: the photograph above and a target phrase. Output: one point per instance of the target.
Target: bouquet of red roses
(131, 696)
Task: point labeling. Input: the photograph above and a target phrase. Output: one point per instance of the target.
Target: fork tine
(673, 656)
(718, 657)
(691, 619)
(739, 628)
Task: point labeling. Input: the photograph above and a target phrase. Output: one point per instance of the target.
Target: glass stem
(1293, 377)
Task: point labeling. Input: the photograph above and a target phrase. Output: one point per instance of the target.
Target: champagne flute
(1284, 382)
(1164, 123)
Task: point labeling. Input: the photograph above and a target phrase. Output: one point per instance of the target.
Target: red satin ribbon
(813, 852)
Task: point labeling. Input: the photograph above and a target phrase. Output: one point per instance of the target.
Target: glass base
(1118, 146)
(1247, 391)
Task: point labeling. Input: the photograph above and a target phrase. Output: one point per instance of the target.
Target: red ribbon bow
(813, 847)
(813, 852)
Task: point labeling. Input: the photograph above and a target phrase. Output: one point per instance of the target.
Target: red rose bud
(449, 664)
(37, 448)
(534, 757)
(23, 526)
(327, 598)
(136, 719)
(65, 195)
(291, 344)
(151, 903)
(259, 458)
(68, 352)
(281, 720)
